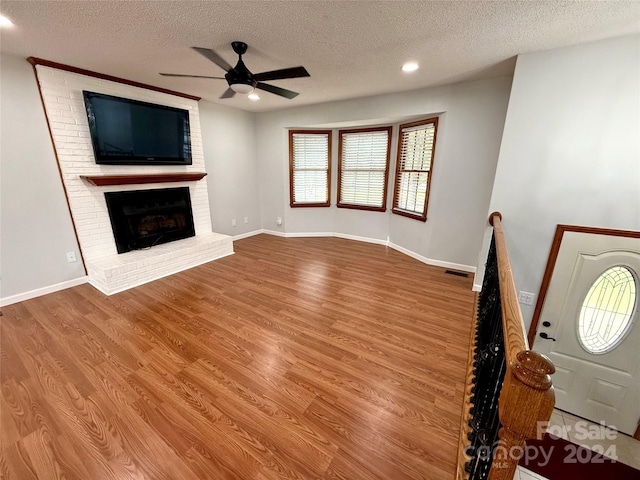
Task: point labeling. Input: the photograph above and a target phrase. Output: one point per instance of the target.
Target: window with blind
(309, 167)
(363, 168)
(416, 145)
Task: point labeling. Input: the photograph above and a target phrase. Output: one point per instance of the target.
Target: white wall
(228, 136)
(35, 225)
(570, 151)
(469, 133)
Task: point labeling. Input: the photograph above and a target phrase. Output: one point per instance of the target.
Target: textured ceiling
(351, 48)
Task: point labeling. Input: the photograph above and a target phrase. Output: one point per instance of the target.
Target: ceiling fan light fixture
(5, 22)
(254, 96)
(242, 88)
(410, 67)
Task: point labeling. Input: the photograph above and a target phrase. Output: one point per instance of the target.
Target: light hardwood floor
(294, 358)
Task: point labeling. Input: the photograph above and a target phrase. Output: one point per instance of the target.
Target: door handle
(547, 337)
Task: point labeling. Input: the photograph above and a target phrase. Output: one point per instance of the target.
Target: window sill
(415, 216)
(309, 205)
(361, 207)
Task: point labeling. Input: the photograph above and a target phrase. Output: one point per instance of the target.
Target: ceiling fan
(241, 80)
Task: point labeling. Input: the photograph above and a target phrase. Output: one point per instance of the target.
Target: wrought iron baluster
(488, 374)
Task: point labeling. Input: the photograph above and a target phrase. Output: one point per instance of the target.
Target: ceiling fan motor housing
(240, 74)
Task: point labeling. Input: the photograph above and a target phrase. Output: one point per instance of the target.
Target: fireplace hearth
(141, 219)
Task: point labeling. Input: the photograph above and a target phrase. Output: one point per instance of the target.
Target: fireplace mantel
(106, 180)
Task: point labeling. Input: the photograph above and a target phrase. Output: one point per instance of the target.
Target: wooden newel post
(525, 406)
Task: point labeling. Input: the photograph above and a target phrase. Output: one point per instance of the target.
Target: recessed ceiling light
(5, 22)
(410, 67)
(254, 97)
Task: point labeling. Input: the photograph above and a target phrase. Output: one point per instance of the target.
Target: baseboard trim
(38, 292)
(346, 236)
(298, 234)
(430, 261)
(309, 234)
(273, 232)
(357, 238)
(247, 234)
(406, 251)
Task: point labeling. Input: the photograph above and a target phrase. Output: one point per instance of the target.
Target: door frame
(551, 263)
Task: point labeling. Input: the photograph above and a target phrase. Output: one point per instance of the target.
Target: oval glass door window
(607, 310)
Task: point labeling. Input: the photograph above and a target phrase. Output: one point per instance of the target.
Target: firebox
(141, 219)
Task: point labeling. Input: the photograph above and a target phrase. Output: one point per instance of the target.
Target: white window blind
(310, 162)
(364, 162)
(415, 157)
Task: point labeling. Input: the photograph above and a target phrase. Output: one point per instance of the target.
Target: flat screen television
(130, 132)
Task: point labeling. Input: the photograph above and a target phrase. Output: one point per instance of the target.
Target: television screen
(129, 132)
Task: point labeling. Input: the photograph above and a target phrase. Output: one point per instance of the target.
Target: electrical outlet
(278, 220)
(71, 257)
(246, 219)
(233, 222)
(526, 298)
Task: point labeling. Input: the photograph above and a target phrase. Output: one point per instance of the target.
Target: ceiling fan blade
(214, 57)
(294, 72)
(189, 76)
(283, 92)
(228, 93)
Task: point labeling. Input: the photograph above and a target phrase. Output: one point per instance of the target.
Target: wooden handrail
(515, 336)
(527, 395)
(505, 376)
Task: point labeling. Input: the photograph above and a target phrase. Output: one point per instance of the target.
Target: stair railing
(509, 396)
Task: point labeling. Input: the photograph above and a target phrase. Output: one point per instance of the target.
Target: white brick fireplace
(109, 271)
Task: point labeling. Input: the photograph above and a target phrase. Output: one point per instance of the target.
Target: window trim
(292, 203)
(389, 130)
(396, 191)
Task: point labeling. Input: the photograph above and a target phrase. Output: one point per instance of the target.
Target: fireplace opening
(141, 219)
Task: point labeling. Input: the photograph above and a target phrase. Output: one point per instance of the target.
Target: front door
(589, 328)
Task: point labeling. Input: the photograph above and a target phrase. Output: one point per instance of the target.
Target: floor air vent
(459, 274)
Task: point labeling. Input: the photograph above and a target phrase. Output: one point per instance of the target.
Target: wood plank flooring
(302, 358)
